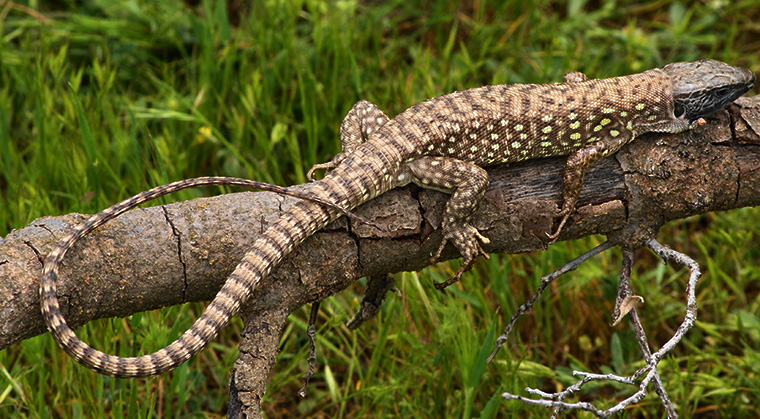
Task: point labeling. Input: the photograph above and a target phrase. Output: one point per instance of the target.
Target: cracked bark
(160, 256)
(179, 248)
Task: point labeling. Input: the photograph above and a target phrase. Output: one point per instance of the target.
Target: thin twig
(641, 337)
(312, 358)
(649, 372)
(545, 281)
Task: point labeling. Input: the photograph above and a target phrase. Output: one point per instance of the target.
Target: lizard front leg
(611, 141)
(360, 122)
(467, 183)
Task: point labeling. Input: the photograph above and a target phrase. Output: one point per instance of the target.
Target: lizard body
(443, 143)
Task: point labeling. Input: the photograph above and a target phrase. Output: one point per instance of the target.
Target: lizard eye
(678, 110)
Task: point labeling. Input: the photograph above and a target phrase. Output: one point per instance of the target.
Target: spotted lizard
(442, 143)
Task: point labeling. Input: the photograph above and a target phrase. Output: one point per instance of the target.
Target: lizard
(442, 143)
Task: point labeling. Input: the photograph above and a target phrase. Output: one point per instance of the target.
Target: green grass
(101, 100)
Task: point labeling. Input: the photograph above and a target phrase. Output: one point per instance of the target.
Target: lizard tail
(302, 220)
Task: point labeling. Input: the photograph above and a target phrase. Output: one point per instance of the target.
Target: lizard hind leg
(467, 183)
(360, 122)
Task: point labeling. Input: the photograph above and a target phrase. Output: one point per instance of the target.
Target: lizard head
(701, 88)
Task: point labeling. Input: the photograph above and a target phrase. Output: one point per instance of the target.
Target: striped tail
(298, 223)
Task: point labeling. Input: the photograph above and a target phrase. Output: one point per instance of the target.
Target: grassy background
(102, 99)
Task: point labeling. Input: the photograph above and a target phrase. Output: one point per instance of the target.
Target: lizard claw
(467, 240)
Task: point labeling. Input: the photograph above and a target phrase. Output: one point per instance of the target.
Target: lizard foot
(467, 240)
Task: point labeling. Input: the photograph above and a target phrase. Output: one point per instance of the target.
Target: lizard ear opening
(678, 110)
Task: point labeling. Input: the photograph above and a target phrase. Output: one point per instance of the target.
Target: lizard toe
(553, 237)
(328, 166)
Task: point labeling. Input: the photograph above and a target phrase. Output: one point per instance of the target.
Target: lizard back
(509, 123)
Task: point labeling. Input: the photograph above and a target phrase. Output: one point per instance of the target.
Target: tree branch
(171, 254)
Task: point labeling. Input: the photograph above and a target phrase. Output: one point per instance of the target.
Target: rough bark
(171, 254)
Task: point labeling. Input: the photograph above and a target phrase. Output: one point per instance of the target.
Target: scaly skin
(442, 143)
